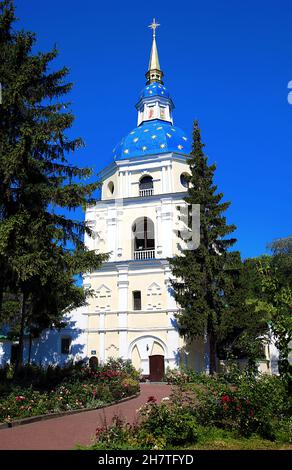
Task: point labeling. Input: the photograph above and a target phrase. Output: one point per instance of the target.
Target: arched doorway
(148, 353)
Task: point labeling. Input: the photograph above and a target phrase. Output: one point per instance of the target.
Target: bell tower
(137, 222)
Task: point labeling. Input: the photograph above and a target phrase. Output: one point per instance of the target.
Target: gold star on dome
(133, 132)
(158, 128)
(136, 139)
(185, 138)
(126, 151)
(150, 92)
(173, 130)
(154, 136)
(144, 147)
(168, 135)
(162, 146)
(162, 92)
(180, 147)
(146, 130)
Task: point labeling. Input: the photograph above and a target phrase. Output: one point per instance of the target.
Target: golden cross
(153, 26)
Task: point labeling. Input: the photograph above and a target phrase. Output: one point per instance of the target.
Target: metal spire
(154, 73)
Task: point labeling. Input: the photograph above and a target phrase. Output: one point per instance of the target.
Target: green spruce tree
(40, 242)
(199, 273)
(243, 331)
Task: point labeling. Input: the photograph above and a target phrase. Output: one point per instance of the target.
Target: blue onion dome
(154, 89)
(151, 138)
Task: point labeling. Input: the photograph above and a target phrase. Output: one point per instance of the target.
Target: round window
(111, 187)
(184, 180)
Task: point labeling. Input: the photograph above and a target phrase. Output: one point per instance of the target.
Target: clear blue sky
(226, 63)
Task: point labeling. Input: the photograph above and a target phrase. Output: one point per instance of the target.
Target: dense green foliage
(200, 273)
(237, 304)
(243, 331)
(275, 283)
(41, 246)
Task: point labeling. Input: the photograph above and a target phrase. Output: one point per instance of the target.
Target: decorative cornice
(126, 329)
(131, 312)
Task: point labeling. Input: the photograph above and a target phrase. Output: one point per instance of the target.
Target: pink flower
(19, 398)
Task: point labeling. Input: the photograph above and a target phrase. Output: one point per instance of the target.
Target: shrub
(160, 426)
(173, 424)
(176, 377)
(131, 386)
(252, 404)
(123, 366)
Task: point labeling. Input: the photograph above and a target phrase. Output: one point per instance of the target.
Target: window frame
(139, 300)
(66, 338)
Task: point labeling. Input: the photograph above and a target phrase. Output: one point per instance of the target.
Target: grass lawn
(216, 439)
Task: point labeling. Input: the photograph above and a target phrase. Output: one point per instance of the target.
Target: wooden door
(156, 368)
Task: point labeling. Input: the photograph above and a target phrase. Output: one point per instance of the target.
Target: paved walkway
(65, 432)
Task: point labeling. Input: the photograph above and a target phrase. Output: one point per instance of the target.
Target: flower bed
(159, 426)
(248, 408)
(83, 388)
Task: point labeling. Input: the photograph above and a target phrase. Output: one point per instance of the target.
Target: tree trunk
(29, 348)
(19, 360)
(2, 284)
(212, 349)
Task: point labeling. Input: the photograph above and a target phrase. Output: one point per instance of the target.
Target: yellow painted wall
(157, 349)
(105, 190)
(141, 282)
(147, 320)
(132, 335)
(111, 320)
(136, 360)
(111, 345)
(177, 169)
(93, 343)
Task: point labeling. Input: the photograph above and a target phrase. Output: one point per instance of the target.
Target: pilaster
(123, 286)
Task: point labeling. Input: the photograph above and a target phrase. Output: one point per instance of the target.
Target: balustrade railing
(145, 192)
(144, 254)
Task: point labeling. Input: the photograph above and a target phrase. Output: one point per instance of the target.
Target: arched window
(146, 186)
(143, 238)
(184, 180)
(111, 187)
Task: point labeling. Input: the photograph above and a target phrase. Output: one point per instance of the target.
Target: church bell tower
(136, 220)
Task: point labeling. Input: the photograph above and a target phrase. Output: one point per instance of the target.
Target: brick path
(65, 432)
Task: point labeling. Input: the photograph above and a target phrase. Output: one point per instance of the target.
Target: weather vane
(153, 26)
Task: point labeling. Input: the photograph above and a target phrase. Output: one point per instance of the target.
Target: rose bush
(159, 426)
(252, 404)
